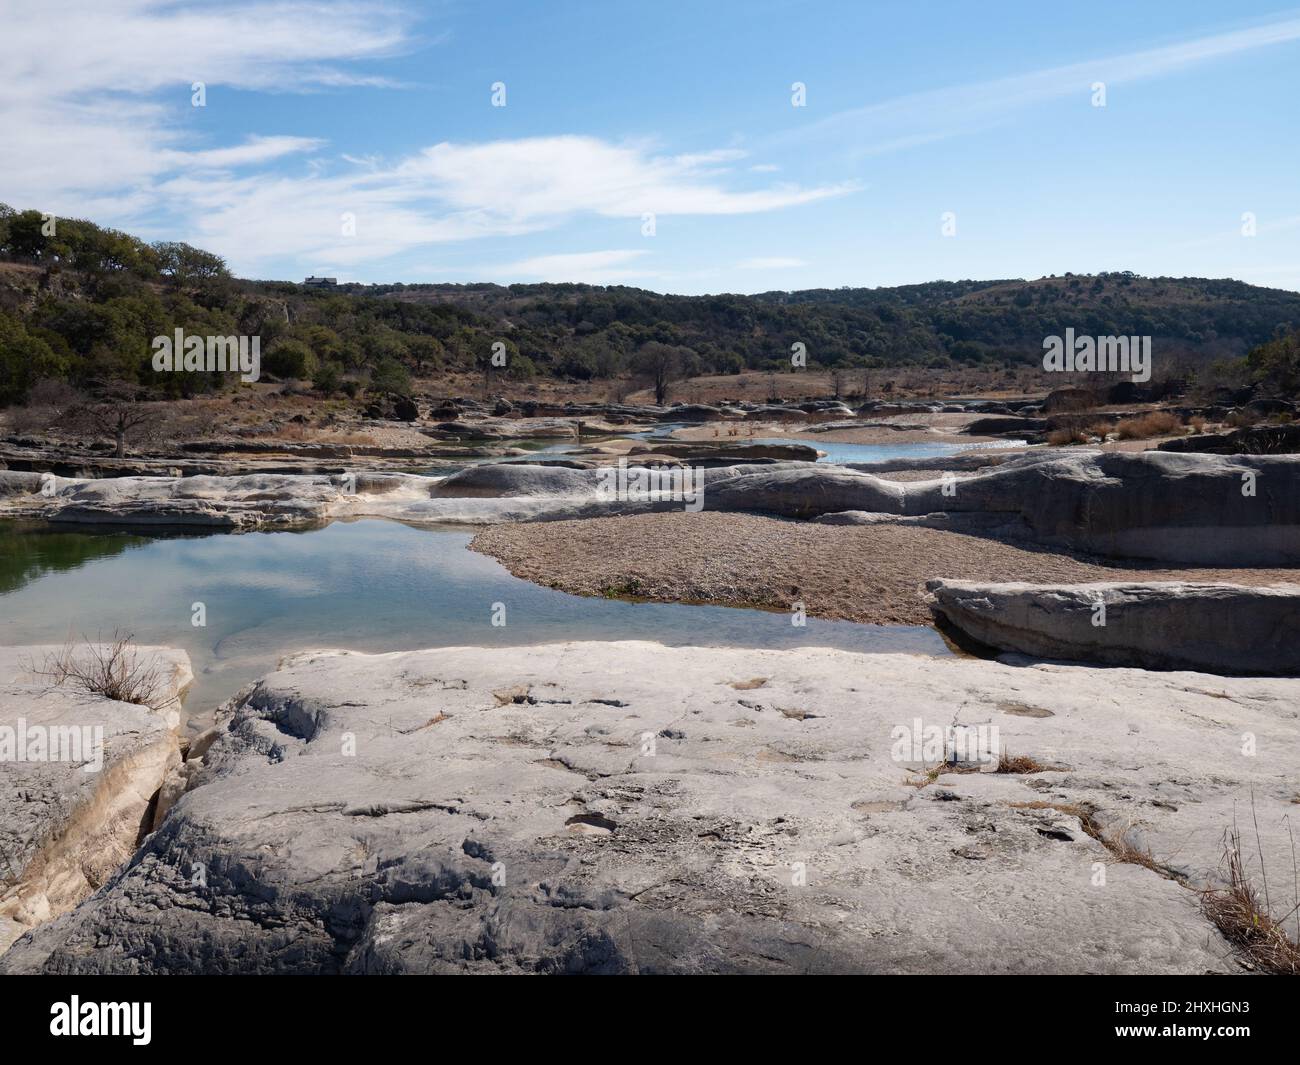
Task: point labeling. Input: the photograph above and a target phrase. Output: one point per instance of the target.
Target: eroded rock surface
(1218, 628)
(626, 807)
(67, 824)
(1202, 509)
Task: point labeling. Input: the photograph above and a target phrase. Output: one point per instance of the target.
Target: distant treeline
(89, 314)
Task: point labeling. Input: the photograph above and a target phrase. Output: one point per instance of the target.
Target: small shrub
(328, 378)
(1157, 423)
(113, 670)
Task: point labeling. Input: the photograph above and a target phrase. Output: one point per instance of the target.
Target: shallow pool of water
(837, 452)
(365, 585)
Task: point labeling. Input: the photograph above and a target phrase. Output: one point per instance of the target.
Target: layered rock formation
(627, 807)
(80, 774)
(1202, 509)
(1217, 628)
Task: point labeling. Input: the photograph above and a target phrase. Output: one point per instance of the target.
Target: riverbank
(863, 573)
(623, 807)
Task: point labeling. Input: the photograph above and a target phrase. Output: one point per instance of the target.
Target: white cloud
(70, 48)
(539, 177)
(456, 192)
(253, 150)
(93, 126)
(91, 90)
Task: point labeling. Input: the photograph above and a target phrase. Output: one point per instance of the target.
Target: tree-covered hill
(82, 304)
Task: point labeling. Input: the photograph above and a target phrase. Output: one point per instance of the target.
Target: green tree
(390, 377)
(290, 358)
(186, 265)
(24, 359)
(426, 352)
(328, 377)
(1276, 364)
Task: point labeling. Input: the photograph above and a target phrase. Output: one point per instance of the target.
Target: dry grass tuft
(1240, 918)
(1157, 423)
(1022, 763)
(113, 670)
(1062, 437)
(1120, 847)
(1007, 763)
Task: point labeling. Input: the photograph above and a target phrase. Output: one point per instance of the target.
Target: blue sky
(383, 112)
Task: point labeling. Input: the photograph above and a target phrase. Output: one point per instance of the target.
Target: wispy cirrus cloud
(921, 118)
(458, 192)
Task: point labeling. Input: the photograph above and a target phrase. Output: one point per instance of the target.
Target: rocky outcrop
(1214, 628)
(627, 807)
(79, 774)
(994, 426)
(1213, 509)
(1233, 510)
(1251, 440)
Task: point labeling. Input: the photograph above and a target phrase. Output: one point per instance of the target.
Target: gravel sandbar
(870, 574)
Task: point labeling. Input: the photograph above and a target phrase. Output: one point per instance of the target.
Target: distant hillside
(967, 321)
(85, 305)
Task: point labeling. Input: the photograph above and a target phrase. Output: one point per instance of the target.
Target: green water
(365, 585)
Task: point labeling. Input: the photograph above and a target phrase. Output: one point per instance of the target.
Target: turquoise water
(365, 585)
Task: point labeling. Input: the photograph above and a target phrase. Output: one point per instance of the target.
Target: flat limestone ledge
(627, 807)
(1211, 509)
(1217, 628)
(65, 825)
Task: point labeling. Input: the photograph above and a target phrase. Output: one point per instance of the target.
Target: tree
(490, 359)
(24, 239)
(24, 359)
(118, 413)
(837, 382)
(391, 378)
(660, 365)
(328, 377)
(1276, 365)
(186, 265)
(290, 358)
(425, 351)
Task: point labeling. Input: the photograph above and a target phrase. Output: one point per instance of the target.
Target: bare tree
(117, 414)
(660, 365)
